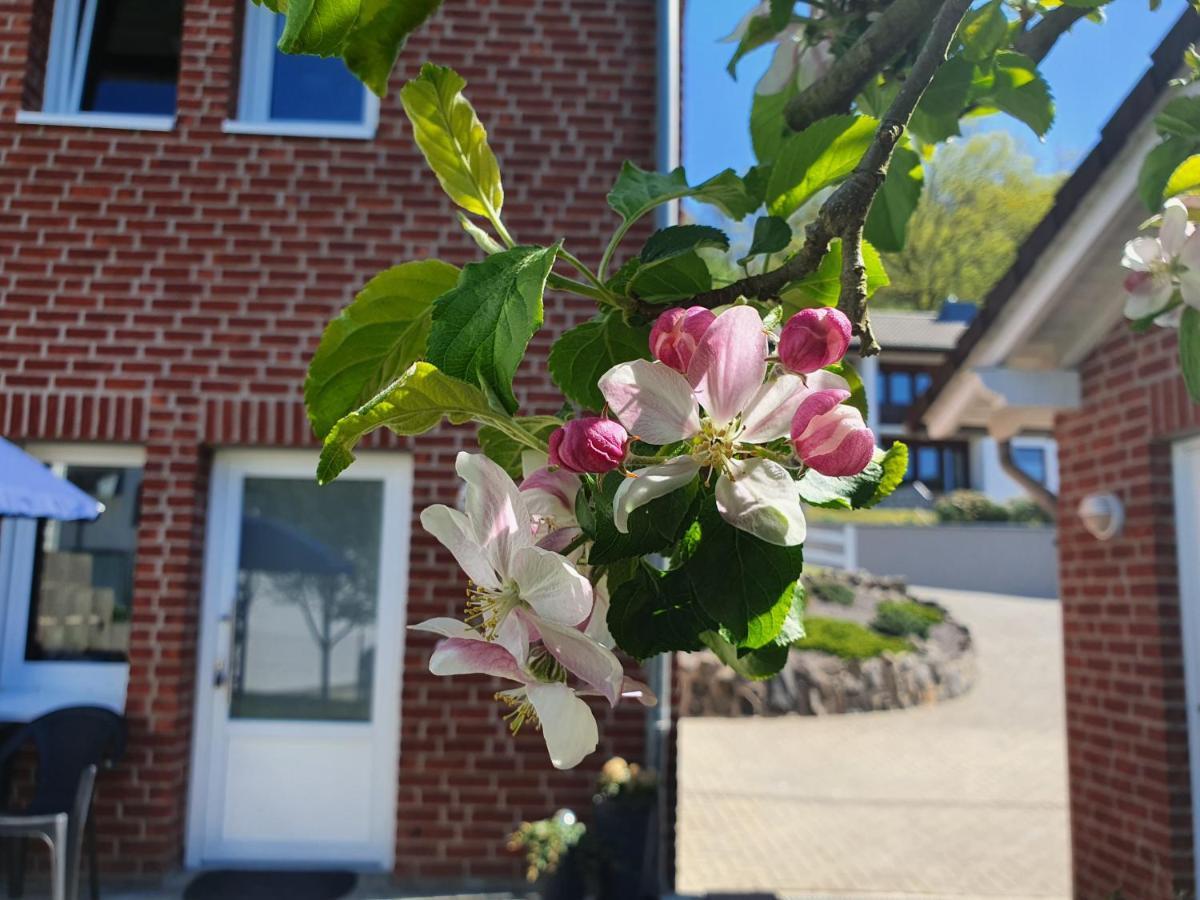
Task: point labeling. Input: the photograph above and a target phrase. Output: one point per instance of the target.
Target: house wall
(1127, 735)
(167, 290)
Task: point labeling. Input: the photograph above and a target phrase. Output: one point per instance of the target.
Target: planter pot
(626, 843)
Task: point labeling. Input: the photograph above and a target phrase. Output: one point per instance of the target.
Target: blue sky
(1090, 71)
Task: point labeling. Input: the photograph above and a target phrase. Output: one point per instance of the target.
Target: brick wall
(1126, 717)
(167, 289)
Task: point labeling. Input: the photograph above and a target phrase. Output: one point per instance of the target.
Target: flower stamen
(520, 711)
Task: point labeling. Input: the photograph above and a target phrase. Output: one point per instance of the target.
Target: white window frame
(254, 90)
(66, 70)
(31, 688)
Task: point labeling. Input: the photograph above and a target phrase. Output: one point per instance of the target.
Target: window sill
(340, 131)
(120, 121)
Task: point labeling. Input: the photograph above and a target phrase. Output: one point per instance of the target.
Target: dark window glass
(939, 466)
(1031, 461)
(900, 389)
(923, 381)
(83, 573)
(133, 62)
(312, 89)
(929, 464)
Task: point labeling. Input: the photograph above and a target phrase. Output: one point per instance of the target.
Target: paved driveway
(963, 799)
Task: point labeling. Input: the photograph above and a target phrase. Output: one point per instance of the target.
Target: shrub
(889, 515)
(544, 843)
(1027, 512)
(848, 640)
(905, 617)
(969, 506)
(831, 590)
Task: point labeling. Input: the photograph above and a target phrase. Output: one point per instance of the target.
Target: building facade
(1052, 348)
(177, 224)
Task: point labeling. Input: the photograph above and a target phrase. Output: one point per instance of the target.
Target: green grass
(849, 640)
(905, 617)
(830, 590)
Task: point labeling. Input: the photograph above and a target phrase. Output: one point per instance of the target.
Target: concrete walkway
(964, 799)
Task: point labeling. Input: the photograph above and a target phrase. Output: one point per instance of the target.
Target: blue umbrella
(30, 490)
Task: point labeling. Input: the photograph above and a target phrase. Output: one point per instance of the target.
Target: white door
(1186, 472)
(298, 690)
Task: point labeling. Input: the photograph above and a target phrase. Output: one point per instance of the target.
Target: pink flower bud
(813, 339)
(589, 445)
(676, 333)
(830, 437)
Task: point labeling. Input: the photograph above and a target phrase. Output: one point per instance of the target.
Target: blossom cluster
(1164, 270)
(723, 396)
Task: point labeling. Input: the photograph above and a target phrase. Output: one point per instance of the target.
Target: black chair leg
(93, 859)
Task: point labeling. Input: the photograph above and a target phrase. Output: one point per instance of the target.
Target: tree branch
(1038, 40)
(843, 214)
(883, 41)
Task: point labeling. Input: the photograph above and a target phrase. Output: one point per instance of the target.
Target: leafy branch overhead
(662, 507)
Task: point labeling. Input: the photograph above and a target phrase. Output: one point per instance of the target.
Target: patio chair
(71, 744)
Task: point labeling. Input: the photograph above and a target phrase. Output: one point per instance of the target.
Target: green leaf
(652, 613)
(887, 222)
(482, 326)
(767, 127)
(678, 240)
(781, 13)
(937, 115)
(1158, 167)
(319, 27)
(894, 466)
(846, 492)
(453, 140)
(743, 584)
(482, 239)
(379, 35)
(672, 279)
(983, 31)
(653, 527)
(821, 288)
(757, 665)
(580, 356)
(637, 191)
(1180, 117)
(504, 450)
(412, 404)
(1185, 179)
(771, 235)
(858, 391)
(793, 625)
(1020, 90)
(1189, 351)
(374, 339)
(759, 32)
(822, 154)
(1087, 4)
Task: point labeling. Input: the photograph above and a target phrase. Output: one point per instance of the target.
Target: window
(299, 95)
(82, 587)
(1031, 461)
(113, 63)
(940, 466)
(899, 388)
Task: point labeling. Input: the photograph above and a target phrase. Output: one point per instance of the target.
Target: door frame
(229, 470)
(1185, 466)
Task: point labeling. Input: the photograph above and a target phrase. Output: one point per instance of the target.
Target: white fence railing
(833, 546)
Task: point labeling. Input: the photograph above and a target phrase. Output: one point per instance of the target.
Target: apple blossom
(725, 380)
(813, 339)
(590, 444)
(1162, 265)
(796, 61)
(542, 696)
(831, 437)
(676, 334)
(493, 541)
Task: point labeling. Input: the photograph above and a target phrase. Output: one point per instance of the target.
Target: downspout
(1046, 500)
(659, 743)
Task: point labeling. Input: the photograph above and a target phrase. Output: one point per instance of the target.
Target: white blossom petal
(567, 723)
(552, 586)
(763, 499)
(1174, 228)
(454, 531)
(583, 657)
(466, 656)
(654, 402)
(784, 64)
(822, 380)
(497, 512)
(649, 484)
(769, 413)
(597, 624)
(1143, 253)
(447, 627)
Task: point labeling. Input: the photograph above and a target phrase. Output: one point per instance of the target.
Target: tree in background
(985, 187)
